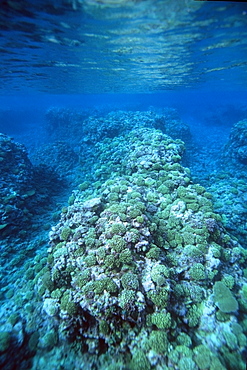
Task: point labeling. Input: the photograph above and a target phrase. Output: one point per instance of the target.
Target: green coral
(133, 212)
(199, 189)
(193, 251)
(101, 253)
(83, 277)
(202, 356)
(184, 339)
(216, 250)
(89, 241)
(56, 294)
(110, 262)
(4, 341)
(125, 257)
(154, 253)
(133, 235)
(242, 340)
(29, 273)
(117, 243)
(178, 353)
(233, 359)
(161, 320)
(71, 199)
(231, 340)
(188, 238)
(163, 189)
(194, 315)
(193, 206)
(236, 328)
(33, 341)
(186, 363)
(197, 272)
(105, 284)
(130, 281)
(68, 305)
(104, 327)
(139, 361)
(228, 280)
(140, 219)
(9, 293)
(158, 342)
(151, 197)
(13, 318)
(118, 228)
(244, 291)
(99, 286)
(117, 208)
(159, 274)
(221, 316)
(47, 281)
(50, 258)
(90, 260)
(126, 298)
(65, 233)
(159, 297)
(49, 340)
(223, 298)
(84, 185)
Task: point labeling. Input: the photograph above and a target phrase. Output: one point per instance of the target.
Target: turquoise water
(123, 194)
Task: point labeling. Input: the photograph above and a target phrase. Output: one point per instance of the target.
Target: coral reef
(119, 122)
(236, 148)
(16, 183)
(214, 163)
(92, 126)
(24, 188)
(229, 182)
(64, 123)
(229, 192)
(59, 156)
(140, 272)
(136, 269)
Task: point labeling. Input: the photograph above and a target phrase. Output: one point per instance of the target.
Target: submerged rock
(236, 148)
(16, 182)
(24, 188)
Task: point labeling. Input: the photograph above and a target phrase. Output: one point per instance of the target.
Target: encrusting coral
(133, 266)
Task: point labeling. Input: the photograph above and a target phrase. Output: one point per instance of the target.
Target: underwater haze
(123, 185)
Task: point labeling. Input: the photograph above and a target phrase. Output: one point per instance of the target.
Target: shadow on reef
(25, 189)
(15, 344)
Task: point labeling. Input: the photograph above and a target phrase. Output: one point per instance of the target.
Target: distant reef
(24, 188)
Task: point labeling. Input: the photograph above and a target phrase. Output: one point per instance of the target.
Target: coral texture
(131, 267)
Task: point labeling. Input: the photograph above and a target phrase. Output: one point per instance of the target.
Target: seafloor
(123, 244)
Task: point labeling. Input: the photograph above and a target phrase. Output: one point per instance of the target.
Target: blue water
(123, 184)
